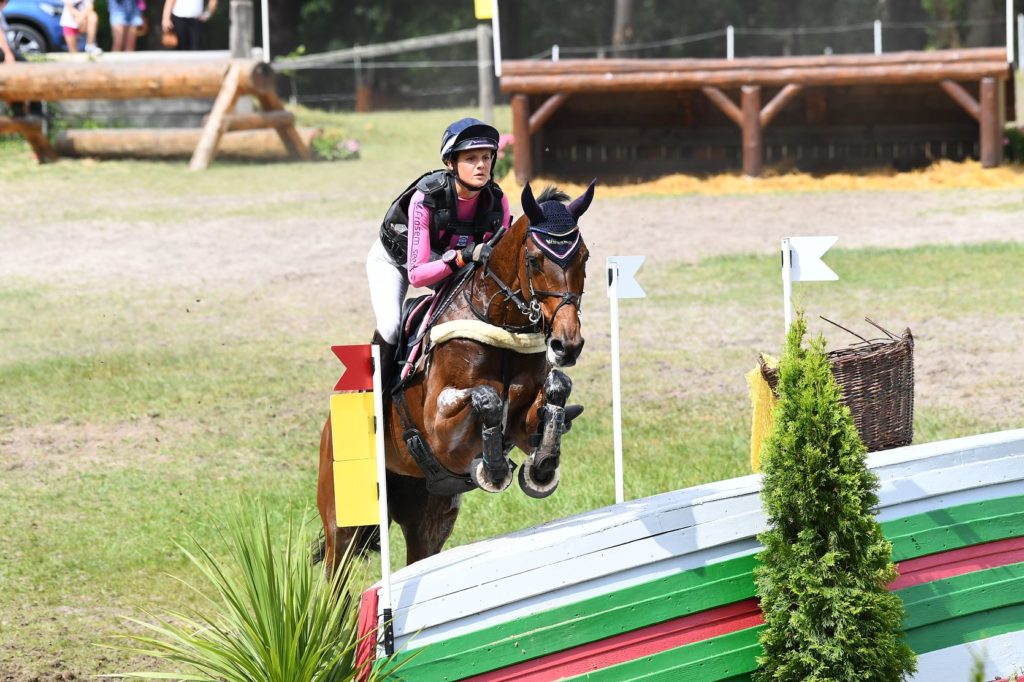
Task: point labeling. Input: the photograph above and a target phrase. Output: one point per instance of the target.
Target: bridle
(529, 308)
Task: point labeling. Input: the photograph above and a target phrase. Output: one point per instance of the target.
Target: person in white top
(187, 18)
(78, 15)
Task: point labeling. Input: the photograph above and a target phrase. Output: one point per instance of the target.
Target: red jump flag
(358, 374)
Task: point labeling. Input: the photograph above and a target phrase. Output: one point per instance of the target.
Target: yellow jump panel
(355, 459)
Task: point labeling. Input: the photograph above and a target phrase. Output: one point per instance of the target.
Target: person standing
(125, 21)
(9, 55)
(78, 16)
(186, 19)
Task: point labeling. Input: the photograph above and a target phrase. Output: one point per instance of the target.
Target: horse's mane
(552, 193)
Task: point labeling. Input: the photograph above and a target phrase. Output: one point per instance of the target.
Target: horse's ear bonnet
(553, 224)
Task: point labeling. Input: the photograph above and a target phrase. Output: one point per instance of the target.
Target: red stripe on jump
(631, 645)
(366, 646)
(955, 562)
(734, 617)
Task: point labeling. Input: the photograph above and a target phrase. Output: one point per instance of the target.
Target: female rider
(451, 215)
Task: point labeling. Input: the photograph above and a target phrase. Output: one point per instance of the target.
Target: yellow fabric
(763, 403)
(479, 331)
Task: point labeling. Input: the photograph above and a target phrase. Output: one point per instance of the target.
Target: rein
(530, 309)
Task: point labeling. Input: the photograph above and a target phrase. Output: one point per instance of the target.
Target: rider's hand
(478, 252)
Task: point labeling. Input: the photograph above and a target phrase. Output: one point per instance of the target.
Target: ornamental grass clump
(823, 573)
(270, 614)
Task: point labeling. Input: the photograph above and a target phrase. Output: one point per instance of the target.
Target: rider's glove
(478, 252)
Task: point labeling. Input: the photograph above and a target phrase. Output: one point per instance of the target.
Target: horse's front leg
(539, 477)
(460, 412)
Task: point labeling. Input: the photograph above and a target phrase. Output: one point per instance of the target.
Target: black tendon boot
(388, 368)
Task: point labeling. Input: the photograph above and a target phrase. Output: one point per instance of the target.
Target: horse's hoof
(478, 473)
(531, 486)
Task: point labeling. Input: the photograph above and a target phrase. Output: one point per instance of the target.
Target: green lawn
(134, 414)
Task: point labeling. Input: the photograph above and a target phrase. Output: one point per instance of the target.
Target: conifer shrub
(825, 565)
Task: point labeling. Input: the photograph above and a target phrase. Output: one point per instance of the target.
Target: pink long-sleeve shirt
(424, 272)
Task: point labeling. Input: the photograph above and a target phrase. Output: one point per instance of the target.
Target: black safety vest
(439, 195)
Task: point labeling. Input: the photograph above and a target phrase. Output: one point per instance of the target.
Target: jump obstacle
(223, 80)
(661, 588)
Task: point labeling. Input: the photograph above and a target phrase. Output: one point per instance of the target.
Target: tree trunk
(622, 24)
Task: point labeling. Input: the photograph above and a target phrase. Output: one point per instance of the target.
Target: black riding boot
(388, 368)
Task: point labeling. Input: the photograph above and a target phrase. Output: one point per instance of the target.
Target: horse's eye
(533, 260)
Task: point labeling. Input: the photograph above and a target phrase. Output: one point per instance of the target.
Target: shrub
(332, 145)
(825, 565)
(273, 615)
(1013, 145)
(503, 162)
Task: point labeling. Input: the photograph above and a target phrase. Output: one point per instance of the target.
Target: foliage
(334, 145)
(274, 615)
(825, 564)
(1013, 145)
(504, 161)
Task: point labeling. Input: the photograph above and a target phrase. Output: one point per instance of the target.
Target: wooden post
(484, 69)
(241, 32)
(753, 151)
(225, 102)
(297, 149)
(522, 163)
(991, 147)
(32, 128)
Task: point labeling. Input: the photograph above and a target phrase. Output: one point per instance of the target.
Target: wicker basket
(877, 381)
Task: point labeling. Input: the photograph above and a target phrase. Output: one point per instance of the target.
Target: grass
(134, 412)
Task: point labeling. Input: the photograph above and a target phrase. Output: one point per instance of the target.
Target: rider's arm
(423, 272)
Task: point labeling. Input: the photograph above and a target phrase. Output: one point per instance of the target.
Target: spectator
(79, 14)
(187, 18)
(125, 21)
(8, 55)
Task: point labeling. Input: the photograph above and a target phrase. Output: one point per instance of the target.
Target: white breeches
(388, 285)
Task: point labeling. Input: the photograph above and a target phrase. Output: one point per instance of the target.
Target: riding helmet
(467, 133)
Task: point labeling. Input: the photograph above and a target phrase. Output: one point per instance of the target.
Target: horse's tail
(318, 550)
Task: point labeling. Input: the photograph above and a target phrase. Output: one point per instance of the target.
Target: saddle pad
(488, 334)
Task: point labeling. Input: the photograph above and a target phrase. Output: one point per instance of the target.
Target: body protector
(440, 197)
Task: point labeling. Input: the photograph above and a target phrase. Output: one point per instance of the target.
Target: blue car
(35, 25)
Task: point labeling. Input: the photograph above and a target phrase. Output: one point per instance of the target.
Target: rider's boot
(388, 366)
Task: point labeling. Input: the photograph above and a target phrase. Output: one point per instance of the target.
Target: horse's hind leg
(538, 477)
(492, 471)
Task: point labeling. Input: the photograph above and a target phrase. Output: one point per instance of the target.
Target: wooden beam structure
(174, 143)
(31, 128)
(222, 79)
(527, 81)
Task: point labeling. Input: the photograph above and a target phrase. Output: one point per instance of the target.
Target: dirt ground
(299, 259)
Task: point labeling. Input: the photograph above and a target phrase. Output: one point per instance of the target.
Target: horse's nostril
(557, 346)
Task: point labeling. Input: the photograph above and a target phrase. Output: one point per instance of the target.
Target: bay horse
(450, 426)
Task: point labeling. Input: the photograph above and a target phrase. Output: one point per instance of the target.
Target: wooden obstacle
(539, 89)
(224, 80)
(662, 587)
(31, 128)
(175, 143)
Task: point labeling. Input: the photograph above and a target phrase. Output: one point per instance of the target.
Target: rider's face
(474, 166)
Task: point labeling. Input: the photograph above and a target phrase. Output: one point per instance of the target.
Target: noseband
(528, 308)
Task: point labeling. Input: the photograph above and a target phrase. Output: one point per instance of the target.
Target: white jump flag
(801, 262)
(621, 284)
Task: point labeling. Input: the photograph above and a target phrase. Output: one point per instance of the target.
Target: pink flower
(504, 141)
(352, 146)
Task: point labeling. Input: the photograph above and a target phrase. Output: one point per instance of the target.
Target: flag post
(801, 262)
(621, 284)
(787, 283)
(387, 631)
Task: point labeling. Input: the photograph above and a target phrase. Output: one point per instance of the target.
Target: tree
(825, 565)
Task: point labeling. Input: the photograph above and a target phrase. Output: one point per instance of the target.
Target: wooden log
(781, 99)
(31, 127)
(602, 66)
(753, 148)
(991, 143)
(258, 120)
(894, 74)
(120, 80)
(174, 143)
(298, 149)
(522, 163)
(545, 111)
(963, 98)
(214, 128)
(723, 102)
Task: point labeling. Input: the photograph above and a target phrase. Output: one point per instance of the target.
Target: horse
(450, 426)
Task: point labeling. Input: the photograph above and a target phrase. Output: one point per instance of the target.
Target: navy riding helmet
(467, 133)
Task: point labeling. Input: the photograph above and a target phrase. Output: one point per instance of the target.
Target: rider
(452, 214)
